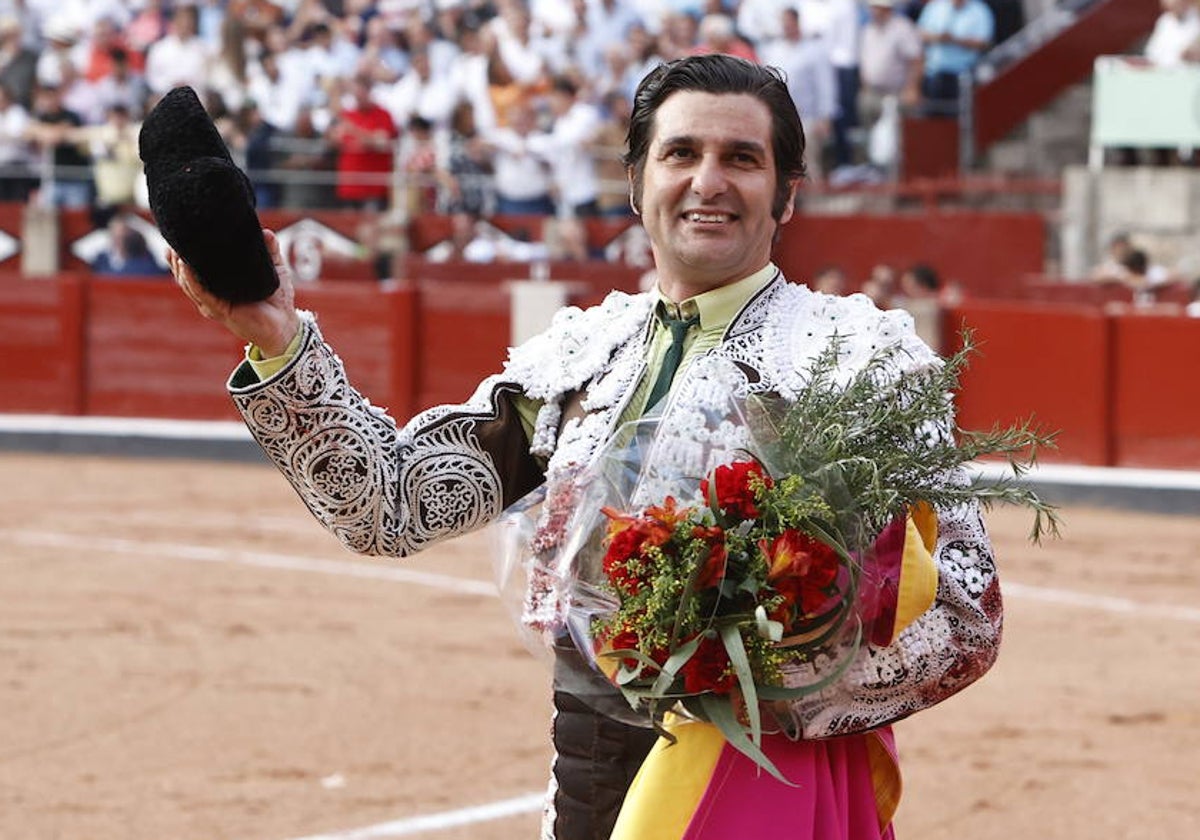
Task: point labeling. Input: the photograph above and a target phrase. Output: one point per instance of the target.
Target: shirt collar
(717, 307)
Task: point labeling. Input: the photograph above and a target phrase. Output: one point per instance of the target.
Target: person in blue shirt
(955, 33)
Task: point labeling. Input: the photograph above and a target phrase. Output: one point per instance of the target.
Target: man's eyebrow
(730, 145)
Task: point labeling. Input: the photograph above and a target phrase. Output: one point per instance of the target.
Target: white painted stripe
(210, 554)
(232, 430)
(1105, 603)
(395, 574)
(529, 803)
(126, 427)
(1099, 476)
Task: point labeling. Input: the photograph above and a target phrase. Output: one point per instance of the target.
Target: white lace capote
(387, 489)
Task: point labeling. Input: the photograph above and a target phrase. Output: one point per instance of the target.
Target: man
(364, 135)
(715, 152)
(890, 61)
(811, 80)
(567, 147)
(955, 32)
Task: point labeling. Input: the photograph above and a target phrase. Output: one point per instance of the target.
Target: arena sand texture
(185, 655)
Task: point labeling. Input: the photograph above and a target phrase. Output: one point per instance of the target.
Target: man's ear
(635, 200)
(789, 206)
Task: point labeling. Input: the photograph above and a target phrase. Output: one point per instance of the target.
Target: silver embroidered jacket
(387, 489)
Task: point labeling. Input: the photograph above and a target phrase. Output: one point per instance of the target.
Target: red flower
(626, 640)
(733, 488)
(800, 568)
(708, 669)
(713, 571)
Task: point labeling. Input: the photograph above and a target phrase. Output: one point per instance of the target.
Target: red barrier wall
(41, 345)
(150, 355)
(462, 332)
(1115, 385)
(982, 252)
(1156, 405)
(1051, 363)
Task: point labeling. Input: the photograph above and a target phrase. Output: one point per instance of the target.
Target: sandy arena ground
(185, 655)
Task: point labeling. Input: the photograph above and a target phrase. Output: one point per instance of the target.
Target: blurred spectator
(381, 56)
(830, 280)
(255, 143)
(955, 32)
(420, 93)
(122, 85)
(228, 71)
(1175, 36)
(52, 131)
(919, 293)
(148, 26)
(465, 167)
(838, 23)
(880, 286)
(179, 58)
(716, 34)
(1115, 267)
(57, 61)
(567, 147)
(810, 80)
(468, 77)
(604, 23)
(607, 145)
(678, 37)
(759, 20)
(516, 48)
(126, 254)
(18, 63)
(418, 159)
(15, 155)
(467, 242)
(364, 135)
(306, 160)
(116, 167)
(891, 60)
(522, 177)
(279, 98)
(106, 39)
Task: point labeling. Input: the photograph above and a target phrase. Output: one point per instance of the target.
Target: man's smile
(709, 216)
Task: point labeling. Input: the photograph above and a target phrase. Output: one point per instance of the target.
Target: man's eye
(679, 154)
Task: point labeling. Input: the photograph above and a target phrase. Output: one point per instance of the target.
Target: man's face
(707, 190)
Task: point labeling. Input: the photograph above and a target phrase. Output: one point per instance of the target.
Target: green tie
(679, 329)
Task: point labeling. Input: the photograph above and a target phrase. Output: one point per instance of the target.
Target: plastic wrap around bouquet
(736, 554)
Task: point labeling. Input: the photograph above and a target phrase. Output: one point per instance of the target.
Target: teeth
(706, 217)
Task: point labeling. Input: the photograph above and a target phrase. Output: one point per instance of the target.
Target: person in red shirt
(365, 137)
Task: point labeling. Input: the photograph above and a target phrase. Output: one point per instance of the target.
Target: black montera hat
(204, 204)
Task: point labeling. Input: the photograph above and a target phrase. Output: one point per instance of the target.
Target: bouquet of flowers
(691, 590)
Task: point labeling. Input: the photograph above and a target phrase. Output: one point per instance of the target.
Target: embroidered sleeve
(944, 650)
(379, 487)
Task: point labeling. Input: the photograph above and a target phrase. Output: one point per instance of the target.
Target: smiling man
(715, 154)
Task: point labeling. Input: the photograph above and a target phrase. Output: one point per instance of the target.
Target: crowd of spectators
(451, 106)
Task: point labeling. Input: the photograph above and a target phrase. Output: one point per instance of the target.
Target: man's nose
(708, 179)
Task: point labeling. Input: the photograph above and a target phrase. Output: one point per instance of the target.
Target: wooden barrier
(1048, 363)
(1114, 384)
(41, 345)
(1156, 406)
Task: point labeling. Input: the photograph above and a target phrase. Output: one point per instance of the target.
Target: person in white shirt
(1176, 36)
(890, 64)
(811, 81)
(521, 175)
(180, 58)
(567, 147)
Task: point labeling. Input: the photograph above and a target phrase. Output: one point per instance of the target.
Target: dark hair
(719, 73)
(1137, 261)
(925, 276)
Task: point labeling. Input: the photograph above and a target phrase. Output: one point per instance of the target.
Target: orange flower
(800, 568)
